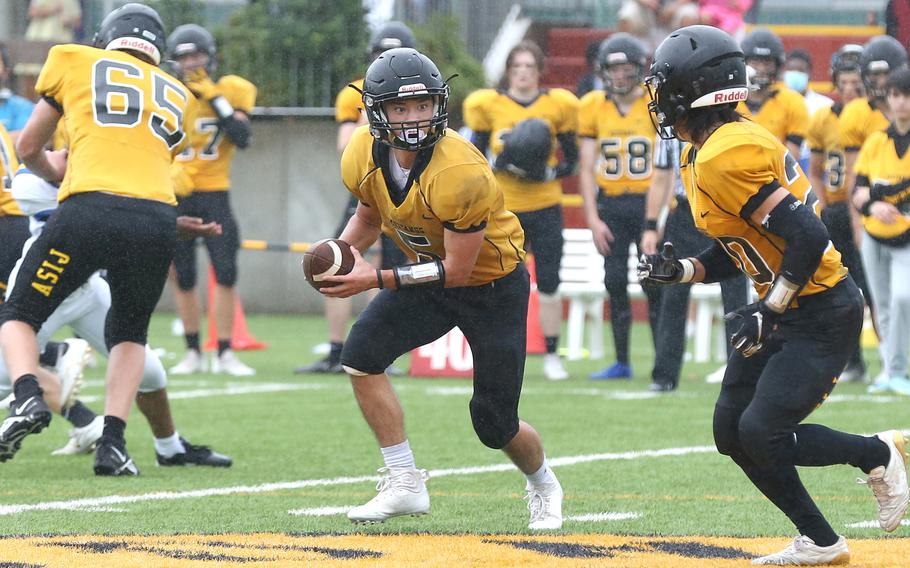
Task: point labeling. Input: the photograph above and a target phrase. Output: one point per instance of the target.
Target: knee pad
(726, 430)
(154, 378)
(757, 439)
(495, 427)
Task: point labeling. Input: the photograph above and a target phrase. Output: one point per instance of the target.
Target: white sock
(169, 446)
(399, 455)
(542, 476)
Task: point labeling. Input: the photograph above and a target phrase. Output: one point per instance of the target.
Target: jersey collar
(381, 160)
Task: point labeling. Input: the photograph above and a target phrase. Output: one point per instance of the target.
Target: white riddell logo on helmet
(733, 95)
(137, 44)
(413, 89)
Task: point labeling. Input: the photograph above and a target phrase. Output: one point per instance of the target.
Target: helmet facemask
(408, 135)
(631, 79)
(662, 110)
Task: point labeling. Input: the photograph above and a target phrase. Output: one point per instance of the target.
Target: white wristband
(781, 294)
(222, 107)
(688, 270)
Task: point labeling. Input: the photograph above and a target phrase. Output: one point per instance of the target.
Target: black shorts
(210, 206)
(493, 318)
(543, 237)
(391, 255)
(133, 239)
(13, 234)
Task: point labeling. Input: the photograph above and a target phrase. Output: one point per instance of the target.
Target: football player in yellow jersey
(115, 214)
(617, 145)
(13, 224)
(748, 193)
(863, 116)
(435, 195)
(883, 198)
(772, 104)
(222, 125)
(827, 169)
(348, 116)
(521, 126)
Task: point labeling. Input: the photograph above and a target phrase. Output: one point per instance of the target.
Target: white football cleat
(82, 440)
(402, 491)
(553, 368)
(229, 364)
(69, 368)
(545, 504)
(804, 552)
(889, 483)
(193, 362)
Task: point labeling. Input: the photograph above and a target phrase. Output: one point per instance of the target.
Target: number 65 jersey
(124, 119)
(726, 180)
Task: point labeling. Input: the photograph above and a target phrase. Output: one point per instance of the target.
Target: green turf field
(630, 462)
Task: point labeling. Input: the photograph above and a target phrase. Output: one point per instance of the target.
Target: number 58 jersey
(124, 119)
(726, 180)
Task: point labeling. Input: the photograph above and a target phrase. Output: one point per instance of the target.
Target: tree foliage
(177, 12)
(440, 39)
(297, 52)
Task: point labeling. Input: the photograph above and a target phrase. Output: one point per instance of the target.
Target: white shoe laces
(400, 478)
(538, 504)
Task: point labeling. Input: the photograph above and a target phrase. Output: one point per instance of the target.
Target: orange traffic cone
(241, 338)
(535, 342)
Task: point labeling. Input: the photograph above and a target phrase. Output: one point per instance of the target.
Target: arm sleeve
(569, 144)
(717, 263)
(465, 203)
(805, 236)
(481, 139)
(238, 131)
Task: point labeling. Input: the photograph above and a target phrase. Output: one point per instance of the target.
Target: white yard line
(79, 504)
(251, 388)
(872, 524)
(600, 517)
(321, 511)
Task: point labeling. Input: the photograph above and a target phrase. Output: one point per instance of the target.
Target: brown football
(328, 257)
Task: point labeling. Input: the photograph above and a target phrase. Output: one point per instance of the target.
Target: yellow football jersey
(456, 190)
(489, 110)
(626, 143)
(878, 161)
(124, 120)
(208, 157)
(60, 141)
(784, 114)
(825, 138)
(736, 161)
(859, 120)
(9, 163)
(348, 103)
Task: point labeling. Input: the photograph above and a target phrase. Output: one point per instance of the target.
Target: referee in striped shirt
(667, 190)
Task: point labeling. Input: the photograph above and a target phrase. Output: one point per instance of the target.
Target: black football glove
(661, 268)
(758, 324)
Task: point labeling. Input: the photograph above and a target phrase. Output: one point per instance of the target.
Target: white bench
(582, 283)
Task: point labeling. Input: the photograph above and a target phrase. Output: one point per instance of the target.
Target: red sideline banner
(448, 356)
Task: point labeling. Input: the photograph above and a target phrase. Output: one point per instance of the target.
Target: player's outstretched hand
(362, 277)
(663, 268)
(758, 324)
(192, 227)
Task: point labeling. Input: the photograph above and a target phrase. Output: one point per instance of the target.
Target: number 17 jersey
(124, 120)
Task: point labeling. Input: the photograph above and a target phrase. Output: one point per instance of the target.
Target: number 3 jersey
(208, 158)
(727, 179)
(123, 118)
(625, 143)
(451, 187)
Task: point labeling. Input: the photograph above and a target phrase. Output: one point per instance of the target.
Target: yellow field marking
(501, 551)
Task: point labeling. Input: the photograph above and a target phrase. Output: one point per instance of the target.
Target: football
(328, 257)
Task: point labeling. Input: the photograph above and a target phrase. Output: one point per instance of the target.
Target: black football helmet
(391, 35)
(845, 59)
(526, 150)
(133, 27)
(192, 38)
(695, 67)
(405, 73)
(762, 43)
(881, 54)
(622, 48)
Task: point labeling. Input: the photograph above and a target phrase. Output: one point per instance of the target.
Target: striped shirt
(666, 157)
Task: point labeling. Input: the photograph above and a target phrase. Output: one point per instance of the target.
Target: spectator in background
(797, 71)
(727, 15)
(641, 19)
(680, 13)
(591, 80)
(14, 110)
(53, 20)
(897, 20)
